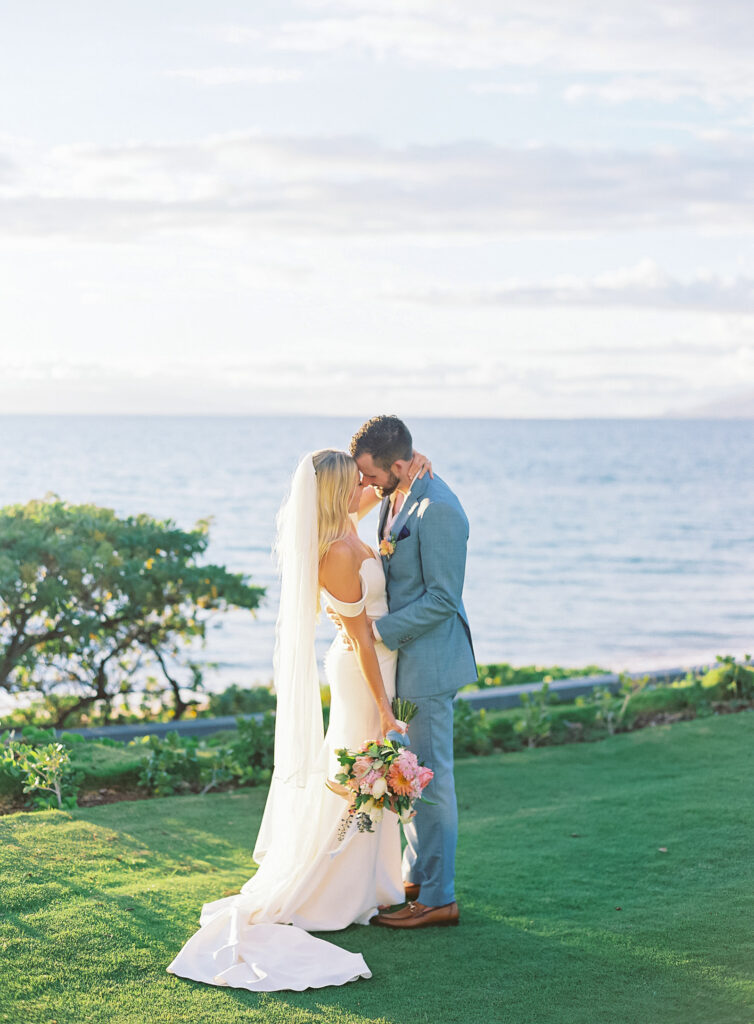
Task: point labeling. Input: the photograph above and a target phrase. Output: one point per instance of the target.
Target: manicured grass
(95, 903)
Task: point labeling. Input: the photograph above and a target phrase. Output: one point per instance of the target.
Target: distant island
(739, 405)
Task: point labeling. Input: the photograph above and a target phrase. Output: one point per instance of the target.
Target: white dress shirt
(390, 519)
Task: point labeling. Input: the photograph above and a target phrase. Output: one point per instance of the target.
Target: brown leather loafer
(415, 915)
(411, 890)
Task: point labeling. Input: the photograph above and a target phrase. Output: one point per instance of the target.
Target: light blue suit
(427, 625)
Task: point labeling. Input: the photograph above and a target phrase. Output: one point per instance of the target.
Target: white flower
(379, 788)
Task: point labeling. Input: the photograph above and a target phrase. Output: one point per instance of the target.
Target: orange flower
(398, 782)
(387, 547)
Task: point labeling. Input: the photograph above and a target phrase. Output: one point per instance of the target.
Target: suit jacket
(427, 622)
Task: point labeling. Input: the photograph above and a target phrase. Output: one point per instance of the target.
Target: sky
(428, 207)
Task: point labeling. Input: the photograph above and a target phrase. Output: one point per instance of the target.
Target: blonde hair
(336, 473)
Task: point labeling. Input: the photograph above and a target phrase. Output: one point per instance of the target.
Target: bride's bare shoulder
(339, 568)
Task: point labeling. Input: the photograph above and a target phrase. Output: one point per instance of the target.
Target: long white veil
(298, 721)
(292, 826)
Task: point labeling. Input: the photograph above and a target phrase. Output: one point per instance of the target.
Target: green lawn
(95, 903)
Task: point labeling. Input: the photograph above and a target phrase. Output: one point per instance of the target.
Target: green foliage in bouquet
(368, 806)
(404, 710)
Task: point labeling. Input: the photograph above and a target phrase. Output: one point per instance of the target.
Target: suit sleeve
(443, 534)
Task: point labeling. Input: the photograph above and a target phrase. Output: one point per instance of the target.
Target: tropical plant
(629, 687)
(470, 730)
(607, 708)
(535, 722)
(732, 678)
(89, 600)
(42, 770)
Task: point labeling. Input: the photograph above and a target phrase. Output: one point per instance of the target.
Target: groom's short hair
(386, 438)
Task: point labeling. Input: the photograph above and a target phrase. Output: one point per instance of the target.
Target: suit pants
(431, 837)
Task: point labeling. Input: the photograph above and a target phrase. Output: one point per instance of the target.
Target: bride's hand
(389, 723)
(420, 465)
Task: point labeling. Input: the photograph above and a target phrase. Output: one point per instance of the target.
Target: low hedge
(244, 756)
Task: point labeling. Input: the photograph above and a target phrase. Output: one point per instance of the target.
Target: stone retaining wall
(493, 699)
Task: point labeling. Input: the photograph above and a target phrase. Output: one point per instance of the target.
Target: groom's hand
(345, 638)
(335, 617)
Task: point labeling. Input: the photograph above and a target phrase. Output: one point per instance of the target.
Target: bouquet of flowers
(382, 775)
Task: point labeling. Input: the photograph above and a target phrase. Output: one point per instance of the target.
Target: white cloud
(645, 285)
(704, 49)
(243, 183)
(504, 88)
(238, 75)
(488, 387)
(655, 88)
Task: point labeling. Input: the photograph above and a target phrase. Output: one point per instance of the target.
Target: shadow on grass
(507, 973)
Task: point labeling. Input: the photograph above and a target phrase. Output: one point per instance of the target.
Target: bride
(317, 871)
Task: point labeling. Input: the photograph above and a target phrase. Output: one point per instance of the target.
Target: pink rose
(362, 766)
(408, 764)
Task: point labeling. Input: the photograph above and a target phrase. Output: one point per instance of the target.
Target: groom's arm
(443, 534)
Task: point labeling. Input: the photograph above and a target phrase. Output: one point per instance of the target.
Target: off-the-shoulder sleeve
(349, 609)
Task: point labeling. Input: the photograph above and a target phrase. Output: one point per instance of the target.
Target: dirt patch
(92, 798)
(644, 719)
(111, 796)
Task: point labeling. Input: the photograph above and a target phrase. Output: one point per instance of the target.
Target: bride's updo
(336, 473)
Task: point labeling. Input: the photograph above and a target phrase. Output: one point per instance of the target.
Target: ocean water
(626, 543)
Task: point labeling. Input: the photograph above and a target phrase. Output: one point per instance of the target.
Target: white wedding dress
(314, 880)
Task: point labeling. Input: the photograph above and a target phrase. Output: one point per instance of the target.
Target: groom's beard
(388, 488)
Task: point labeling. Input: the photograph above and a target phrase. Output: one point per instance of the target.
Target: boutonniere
(387, 547)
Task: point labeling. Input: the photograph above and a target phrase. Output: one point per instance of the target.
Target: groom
(423, 533)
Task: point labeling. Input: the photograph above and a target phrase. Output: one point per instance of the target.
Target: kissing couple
(403, 631)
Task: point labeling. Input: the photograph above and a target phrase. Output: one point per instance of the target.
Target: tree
(88, 598)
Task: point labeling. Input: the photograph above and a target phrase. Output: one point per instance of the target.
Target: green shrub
(45, 772)
(107, 764)
(171, 764)
(606, 708)
(534, 725)
(574, 722)
(253, 749)
(502, 732)
(176, 764)
(219, 768)
(470, 730)
(730, 680)
(504, 674)
(235, 700)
